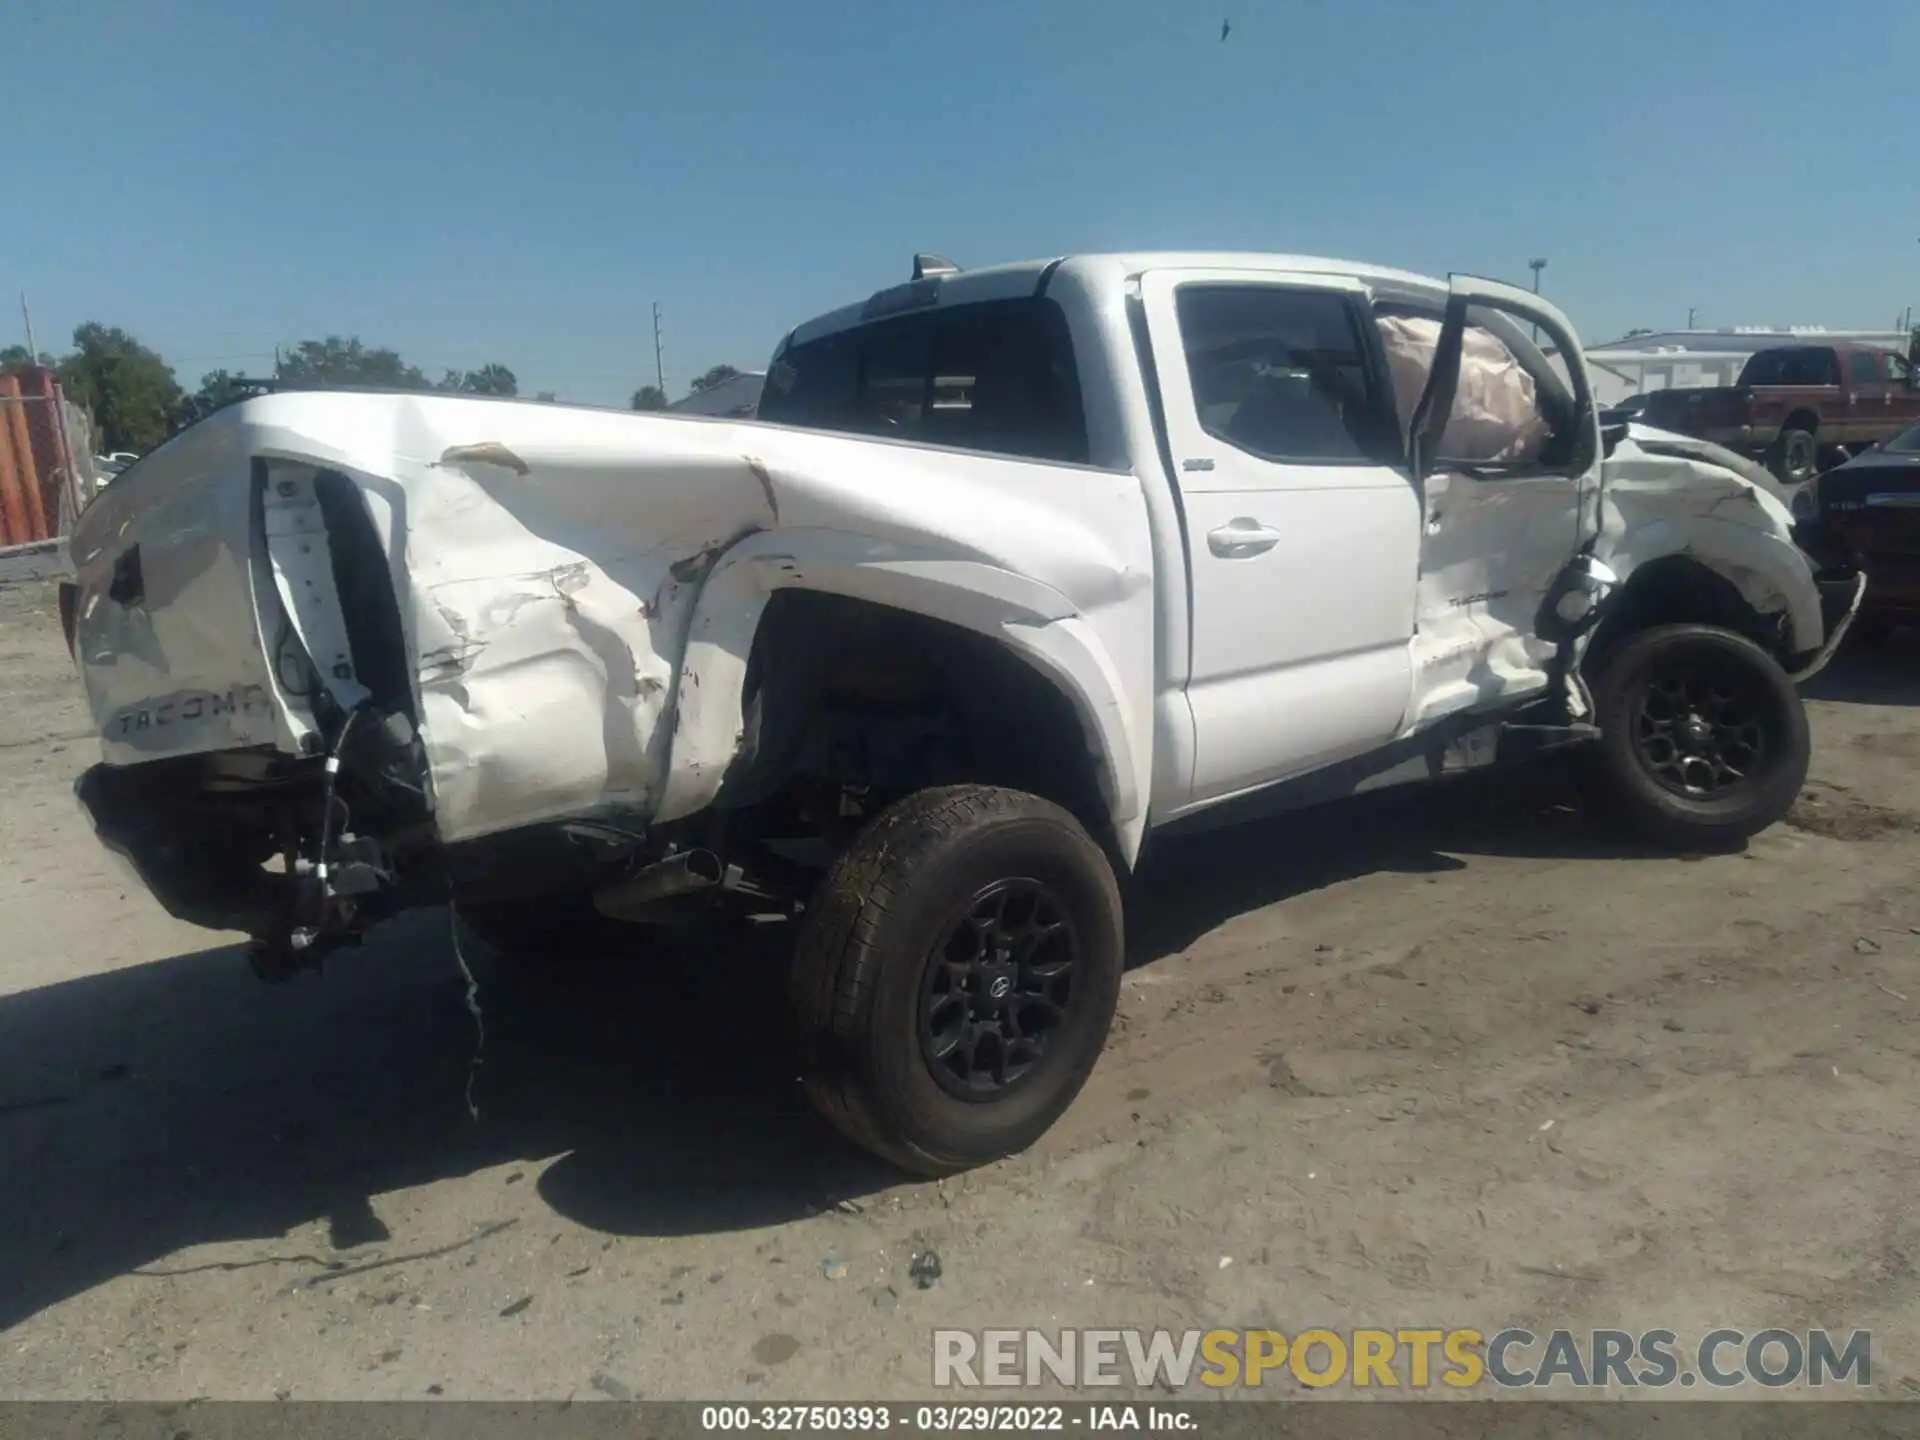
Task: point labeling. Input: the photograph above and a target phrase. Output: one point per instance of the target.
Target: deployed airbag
(1496, 414)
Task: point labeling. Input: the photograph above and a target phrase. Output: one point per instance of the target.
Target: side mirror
(1611, 436)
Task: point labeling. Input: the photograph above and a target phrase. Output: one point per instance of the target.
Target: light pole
(1536, 266)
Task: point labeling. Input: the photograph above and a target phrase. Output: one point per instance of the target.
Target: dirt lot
(1453, 1060)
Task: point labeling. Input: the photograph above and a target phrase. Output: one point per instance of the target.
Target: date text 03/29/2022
(939, 1419)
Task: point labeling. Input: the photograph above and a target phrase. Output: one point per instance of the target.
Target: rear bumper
(201, 871)
(1841, 594)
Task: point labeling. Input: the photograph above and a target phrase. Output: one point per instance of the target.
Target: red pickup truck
(1797, 407)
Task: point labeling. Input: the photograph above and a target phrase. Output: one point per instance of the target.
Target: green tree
(719, 374)
(547, 397)
(14, 357)
(335, 361)
(487, 380)
(649, 397)
(217, 388)
(130, 391)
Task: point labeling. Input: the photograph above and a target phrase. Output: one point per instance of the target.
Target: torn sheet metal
(1493, 548)
(1668, 495)
(548, 562)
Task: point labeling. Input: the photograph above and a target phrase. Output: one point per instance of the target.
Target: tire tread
(839, 957)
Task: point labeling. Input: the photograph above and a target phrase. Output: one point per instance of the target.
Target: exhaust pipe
(679, 874)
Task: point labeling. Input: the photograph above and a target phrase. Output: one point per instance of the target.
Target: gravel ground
(1454, 1059)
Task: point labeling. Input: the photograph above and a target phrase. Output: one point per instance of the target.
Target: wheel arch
(738, 667)
(1716, 573)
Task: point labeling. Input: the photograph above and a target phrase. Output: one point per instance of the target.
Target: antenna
(659, 355)
(930, 267)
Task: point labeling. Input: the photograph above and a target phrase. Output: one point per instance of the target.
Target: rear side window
(1282, 373)
(1863, 368)
(1792, 367)
(997, 377)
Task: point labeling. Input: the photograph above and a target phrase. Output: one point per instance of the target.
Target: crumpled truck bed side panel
(549, 561)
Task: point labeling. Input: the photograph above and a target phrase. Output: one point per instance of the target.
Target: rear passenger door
(1303, 525)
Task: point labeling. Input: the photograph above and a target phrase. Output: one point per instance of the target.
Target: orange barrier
(36, 463)
(17, 478)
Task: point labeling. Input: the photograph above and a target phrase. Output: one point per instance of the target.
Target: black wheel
(550, 933)
(1795, 457)
(1703, 739)
(956, 976)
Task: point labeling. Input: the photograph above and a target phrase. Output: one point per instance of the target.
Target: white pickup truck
(1017, 569)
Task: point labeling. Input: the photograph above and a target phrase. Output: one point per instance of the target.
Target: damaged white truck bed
(1018, 568)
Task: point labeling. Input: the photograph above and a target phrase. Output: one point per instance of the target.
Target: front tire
(1703, 739)
(956, 977)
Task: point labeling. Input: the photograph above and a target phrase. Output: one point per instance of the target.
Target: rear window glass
(997, 377)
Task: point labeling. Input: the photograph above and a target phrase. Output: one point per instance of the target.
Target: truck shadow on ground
(175, 1104)
(1860, 674)
(1198, 882)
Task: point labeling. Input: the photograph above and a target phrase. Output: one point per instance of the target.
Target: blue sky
(479, 181)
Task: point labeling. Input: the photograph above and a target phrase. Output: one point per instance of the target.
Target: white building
(737, 396)
(1686, 359)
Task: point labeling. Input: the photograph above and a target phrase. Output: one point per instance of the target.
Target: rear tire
(1703, 739)
(956, 977)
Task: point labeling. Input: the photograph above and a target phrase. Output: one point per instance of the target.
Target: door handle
(1240, 538)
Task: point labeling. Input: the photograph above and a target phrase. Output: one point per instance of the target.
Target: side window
(1501, 413)
(997, 377)
(1862, 368)
(1283, 374)
(1814, 367)
(1795, 366)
